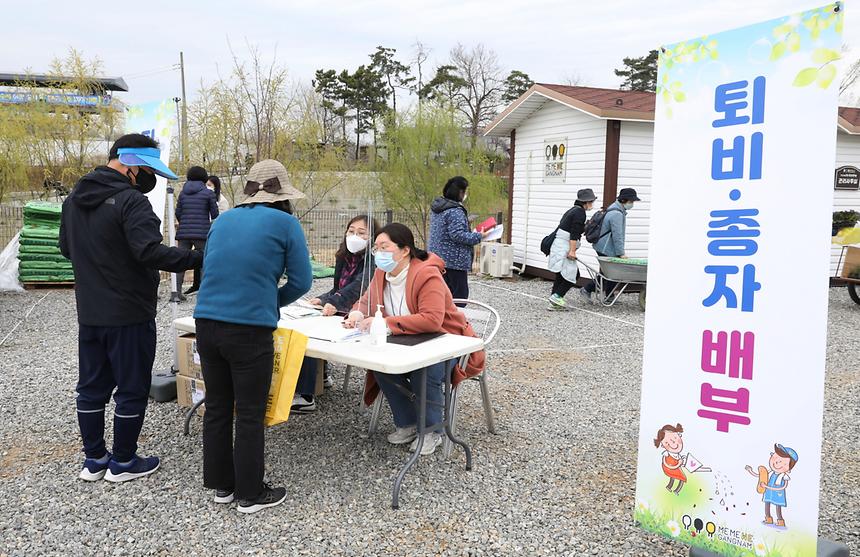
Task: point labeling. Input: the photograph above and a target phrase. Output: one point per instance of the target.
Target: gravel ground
(540, 487)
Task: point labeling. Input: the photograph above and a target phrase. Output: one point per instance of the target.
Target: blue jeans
(404, 407)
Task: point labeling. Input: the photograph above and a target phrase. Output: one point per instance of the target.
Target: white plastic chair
(485, 321)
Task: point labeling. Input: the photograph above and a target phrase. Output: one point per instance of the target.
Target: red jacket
(431, 309)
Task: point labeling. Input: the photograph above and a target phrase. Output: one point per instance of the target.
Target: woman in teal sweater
(248, 250)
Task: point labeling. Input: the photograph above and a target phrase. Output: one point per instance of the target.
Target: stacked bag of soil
(39, 253)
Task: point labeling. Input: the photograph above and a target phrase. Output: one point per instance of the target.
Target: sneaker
(557, 301)
(94, 469)
(402, 435)
(303, 404)
(328, 382)
(586, 296)
(192, 290)
(137, 467)
(270, 497)
(431, 441)
(224, 496)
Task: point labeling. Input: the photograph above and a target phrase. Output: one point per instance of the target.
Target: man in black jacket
(113, 238)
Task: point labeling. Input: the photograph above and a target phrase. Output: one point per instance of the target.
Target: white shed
(564, 138)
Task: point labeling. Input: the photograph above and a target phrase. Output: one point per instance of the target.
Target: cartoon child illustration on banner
(773, 482)
(670, 438)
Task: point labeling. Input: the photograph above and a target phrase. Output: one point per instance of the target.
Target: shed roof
(605, 104)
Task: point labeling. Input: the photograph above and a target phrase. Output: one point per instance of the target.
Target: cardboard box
(851, 263)
(189, 359)
(188, 391)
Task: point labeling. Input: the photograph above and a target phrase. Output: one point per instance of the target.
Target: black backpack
(547, 241)
(594, 224)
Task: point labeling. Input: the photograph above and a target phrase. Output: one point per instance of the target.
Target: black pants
(307, 381)
(561, 286)
(608, 285)
(458, 283)
(237, 369)
(111, 358)
(199, 245)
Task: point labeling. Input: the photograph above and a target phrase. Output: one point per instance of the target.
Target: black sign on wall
(847, 178)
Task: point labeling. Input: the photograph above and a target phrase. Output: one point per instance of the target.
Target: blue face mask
(385, 261)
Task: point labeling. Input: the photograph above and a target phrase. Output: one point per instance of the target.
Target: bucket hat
(268, 182)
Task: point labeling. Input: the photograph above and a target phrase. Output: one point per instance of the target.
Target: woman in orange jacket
(408, 282)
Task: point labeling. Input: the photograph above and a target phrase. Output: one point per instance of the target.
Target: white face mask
(355, 243)
(465, 195)
(628, 206)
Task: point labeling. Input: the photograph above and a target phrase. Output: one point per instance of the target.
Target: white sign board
(555, 160)
(734, 349)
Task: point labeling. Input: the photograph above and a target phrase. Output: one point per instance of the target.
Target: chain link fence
(11, 221)
(324, 229)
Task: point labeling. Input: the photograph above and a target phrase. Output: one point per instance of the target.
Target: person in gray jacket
(612, 231)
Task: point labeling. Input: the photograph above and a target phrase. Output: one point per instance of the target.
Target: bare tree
(480, 98)
(262, 91)
(571, 79)
(422, 53)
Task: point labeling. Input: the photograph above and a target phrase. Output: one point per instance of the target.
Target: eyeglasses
(375, 249)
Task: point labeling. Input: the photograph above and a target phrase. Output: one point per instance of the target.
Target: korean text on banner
(156, 120)
(745, 130)
(289, 352)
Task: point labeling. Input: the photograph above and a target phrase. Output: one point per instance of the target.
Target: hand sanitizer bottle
(378, 329)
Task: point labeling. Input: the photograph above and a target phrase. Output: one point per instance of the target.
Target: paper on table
(322, 329)
(296, 311)
(495, 233)
(301, 302)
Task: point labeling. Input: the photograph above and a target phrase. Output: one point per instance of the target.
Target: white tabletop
(390, 358)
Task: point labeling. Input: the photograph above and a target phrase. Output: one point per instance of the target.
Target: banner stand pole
(163, 386)
(826, 548)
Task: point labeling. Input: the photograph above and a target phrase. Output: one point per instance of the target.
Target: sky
(551, 40)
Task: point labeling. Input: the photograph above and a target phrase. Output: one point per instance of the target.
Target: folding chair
(485, 321)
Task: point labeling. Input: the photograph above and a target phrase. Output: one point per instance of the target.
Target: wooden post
(610, 165)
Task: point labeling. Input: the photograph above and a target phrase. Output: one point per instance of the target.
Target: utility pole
(184, 130)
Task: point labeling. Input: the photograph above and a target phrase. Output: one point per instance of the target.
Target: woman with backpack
(562, 253)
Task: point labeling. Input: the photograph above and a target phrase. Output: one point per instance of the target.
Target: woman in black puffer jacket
(195, 211)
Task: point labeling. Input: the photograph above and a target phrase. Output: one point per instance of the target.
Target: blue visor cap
(788, 450)
(145, 156)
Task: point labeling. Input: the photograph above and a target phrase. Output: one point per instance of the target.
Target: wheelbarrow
(622, 272)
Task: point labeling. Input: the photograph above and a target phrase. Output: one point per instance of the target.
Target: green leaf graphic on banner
(793, 41)
(805, 77)
(824, 55)
(826, 75)
(680, 96)
(782, 29)
(777, 51)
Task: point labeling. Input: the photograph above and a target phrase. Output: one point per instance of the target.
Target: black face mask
(145, 181)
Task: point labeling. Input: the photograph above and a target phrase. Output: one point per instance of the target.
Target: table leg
(420, 429)
(447, 417)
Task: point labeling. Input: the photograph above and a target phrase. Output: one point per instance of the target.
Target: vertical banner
(157, 120)
(735, 337)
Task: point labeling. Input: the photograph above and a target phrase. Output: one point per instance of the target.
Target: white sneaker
(402, 435)
(432, 440)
